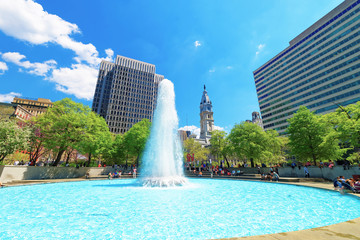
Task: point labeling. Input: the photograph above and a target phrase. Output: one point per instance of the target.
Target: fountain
(162, 161)
(204, 209)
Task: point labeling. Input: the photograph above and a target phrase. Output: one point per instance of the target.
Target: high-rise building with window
(320, 69)
(126, 92)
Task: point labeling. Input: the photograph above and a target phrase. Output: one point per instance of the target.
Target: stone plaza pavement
(349, 230)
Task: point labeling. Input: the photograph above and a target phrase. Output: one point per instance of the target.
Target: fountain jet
(162, 161)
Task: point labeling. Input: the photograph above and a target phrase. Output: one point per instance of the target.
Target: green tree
(63, 126)
(12, 138)
(312, 137)
(275, 147)
(96, 136)
(346, 122)
(191, 146)
(248, 140)
(220, 145)
(35, 147)
(116, 151)
(135, 139)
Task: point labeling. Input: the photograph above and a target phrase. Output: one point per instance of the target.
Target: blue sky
(51, 49)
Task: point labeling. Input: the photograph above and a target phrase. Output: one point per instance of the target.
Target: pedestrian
(306, 171)
(134, 172)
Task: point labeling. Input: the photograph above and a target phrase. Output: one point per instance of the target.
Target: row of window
(314, 91)
(342, 88)
(130, 112)
(295, 46)
(316, 44)
(329, 100)
(117, 121)
(325, 109)
(308, 73)
(317, 56)
(316, 77)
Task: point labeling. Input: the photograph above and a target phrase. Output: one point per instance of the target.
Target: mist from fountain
(162, 161)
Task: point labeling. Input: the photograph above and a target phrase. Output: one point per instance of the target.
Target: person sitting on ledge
(274, 176)
(338, 186)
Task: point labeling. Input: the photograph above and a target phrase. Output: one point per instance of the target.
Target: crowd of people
(120, 170)
(352, 185)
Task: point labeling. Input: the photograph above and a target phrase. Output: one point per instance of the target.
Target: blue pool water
(208, 208)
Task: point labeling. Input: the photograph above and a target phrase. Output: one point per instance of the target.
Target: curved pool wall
(205, 209)
(162, 161)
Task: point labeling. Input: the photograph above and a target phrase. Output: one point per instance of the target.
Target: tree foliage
(12, 138)
(69, 125)
(312, 137)
(220, 145)
(135, 139)
(191, 146)
(346, 122)
(249, 141)
(96, 136)
(116, 151)
(35, 147)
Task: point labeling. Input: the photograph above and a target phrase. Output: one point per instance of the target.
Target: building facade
(256, 119)
(35, 107)
(9, 111)
(206, 117)
(184, 135)
(126, 92)
(320, 69)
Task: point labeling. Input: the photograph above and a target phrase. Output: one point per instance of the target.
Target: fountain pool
(204, 209)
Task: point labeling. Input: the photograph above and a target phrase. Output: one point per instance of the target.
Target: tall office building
(126, 92)
(320, 69)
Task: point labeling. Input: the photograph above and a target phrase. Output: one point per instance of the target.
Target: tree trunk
(227, 162)
(252, 162)
(68, 157)
(314, 158)
(89, 160)
(58, 157)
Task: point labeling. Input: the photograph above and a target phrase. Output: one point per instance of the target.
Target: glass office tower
(126, 92)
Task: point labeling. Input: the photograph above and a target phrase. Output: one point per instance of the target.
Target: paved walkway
(341, 231)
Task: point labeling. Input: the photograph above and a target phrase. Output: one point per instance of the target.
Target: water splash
(162, 162)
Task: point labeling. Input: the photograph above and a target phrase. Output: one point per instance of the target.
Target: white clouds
(40, 69)
(229, 67)
(197, 43)
(218, 128)
(79, 80)
(3, 68)
(212, 70)
(196, 130)
(189, 128)
(8, 97)
(109, 55)
(260, 48)
(193, 129)
(28, 21)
